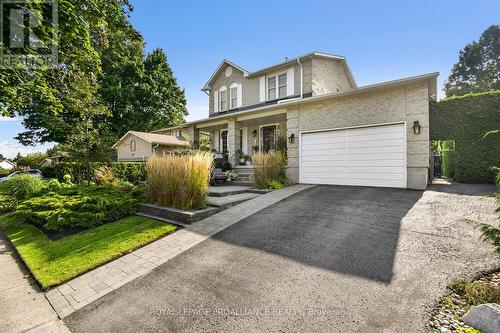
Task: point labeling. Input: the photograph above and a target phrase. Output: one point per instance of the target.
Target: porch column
(194, 136)
(292, 127)
(233, 140)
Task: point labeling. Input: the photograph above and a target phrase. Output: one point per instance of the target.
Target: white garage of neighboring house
(139, 146)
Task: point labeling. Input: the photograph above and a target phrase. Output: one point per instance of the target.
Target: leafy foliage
(4, 172)
(179, 181)
(81, 206)
(477, 292)
(448, 163)
(478, 67)
(466, 119)
(104, 85)
(31, 160)
(133, 172)
(24, 186)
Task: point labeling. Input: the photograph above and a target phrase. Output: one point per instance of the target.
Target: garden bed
(461, 297)
(54, 262)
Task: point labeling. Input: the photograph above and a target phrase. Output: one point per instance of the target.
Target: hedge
(466, 119)
(133, 172)
(448, 159)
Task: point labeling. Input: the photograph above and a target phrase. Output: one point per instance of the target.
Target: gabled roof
(284, 64)
(10, 162)
(225, 61)
(154, 138)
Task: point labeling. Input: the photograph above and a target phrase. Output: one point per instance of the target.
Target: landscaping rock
(485, 317)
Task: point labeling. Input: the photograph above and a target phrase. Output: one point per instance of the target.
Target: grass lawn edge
(37, 241)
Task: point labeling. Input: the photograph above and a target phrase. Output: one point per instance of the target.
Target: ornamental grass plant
(268, 167)
(179, 181)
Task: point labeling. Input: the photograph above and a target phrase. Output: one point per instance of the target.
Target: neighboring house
(6, 164)
(139, 146)
(334, 132)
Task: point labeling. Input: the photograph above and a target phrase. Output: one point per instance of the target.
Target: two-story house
(333, 131)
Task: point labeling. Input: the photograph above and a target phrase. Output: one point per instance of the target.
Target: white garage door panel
(370, 156)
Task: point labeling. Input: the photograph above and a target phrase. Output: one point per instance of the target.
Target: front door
(223, 142)
(268, 135)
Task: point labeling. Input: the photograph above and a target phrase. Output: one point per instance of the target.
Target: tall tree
(103, 86)
(478, 67)
(160, 100)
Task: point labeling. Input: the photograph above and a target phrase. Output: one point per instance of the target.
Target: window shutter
(262, 88)
(239, 96)
(216, 100)
(290, 90)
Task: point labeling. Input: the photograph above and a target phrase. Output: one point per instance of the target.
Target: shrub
(477, 292)
(465, 120)
(133, 172)
(48, 171)
(24, 186)
(448, 162)
(7, 203)
(53, 185)
(124, 186)
(268, 167)
(274, 185)
(81, 206)
(4, 172)
(104, 176)
(179, 181)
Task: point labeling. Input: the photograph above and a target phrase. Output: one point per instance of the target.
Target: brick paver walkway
(94, 284)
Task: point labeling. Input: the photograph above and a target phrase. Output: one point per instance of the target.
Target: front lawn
(53, 262)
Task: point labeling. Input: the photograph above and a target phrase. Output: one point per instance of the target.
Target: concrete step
(241, 183)
(225, 190)
(230, 200)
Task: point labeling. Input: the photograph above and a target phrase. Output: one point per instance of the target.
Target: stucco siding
(142, 152)
(401, 104)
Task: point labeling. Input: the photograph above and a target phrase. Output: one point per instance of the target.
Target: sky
(382, 40)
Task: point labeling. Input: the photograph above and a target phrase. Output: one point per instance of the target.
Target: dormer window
(223, 99)
(277, 86)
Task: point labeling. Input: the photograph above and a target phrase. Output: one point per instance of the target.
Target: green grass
(53, 262)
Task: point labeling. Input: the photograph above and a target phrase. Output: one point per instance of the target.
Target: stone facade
(397, 104)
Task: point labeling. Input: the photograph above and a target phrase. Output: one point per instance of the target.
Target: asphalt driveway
(330, 258)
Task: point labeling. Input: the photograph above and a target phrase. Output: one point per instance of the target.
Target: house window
(234, 97)
(223, 100)
(271, 88)
(282, 86)
(133, 145)
(276, 86)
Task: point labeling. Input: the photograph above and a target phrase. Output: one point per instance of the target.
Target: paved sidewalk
(23, 306)
(92, 285)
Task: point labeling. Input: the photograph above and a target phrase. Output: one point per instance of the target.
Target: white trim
(240, 95)
(221, 146)
(231, 87)
(276, 85)
(216, 100)
(355, 127)
(225, 61)
(244, 140)
(262, 88)
(290, 81)
(260, 115)
(221, 90)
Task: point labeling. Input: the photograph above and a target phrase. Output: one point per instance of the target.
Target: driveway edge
(86, 288)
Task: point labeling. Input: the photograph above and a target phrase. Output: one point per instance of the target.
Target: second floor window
(271, 88)
(223, 100)
(234, 97)
(276, 86)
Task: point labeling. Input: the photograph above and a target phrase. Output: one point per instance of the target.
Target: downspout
(301, 78)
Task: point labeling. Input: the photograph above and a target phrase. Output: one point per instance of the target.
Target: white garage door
(368, 156)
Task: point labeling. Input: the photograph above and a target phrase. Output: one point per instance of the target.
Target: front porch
(238, 139)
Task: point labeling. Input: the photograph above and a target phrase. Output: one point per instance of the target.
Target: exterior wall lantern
(254, 133)
(291, 138)
(416, 127)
